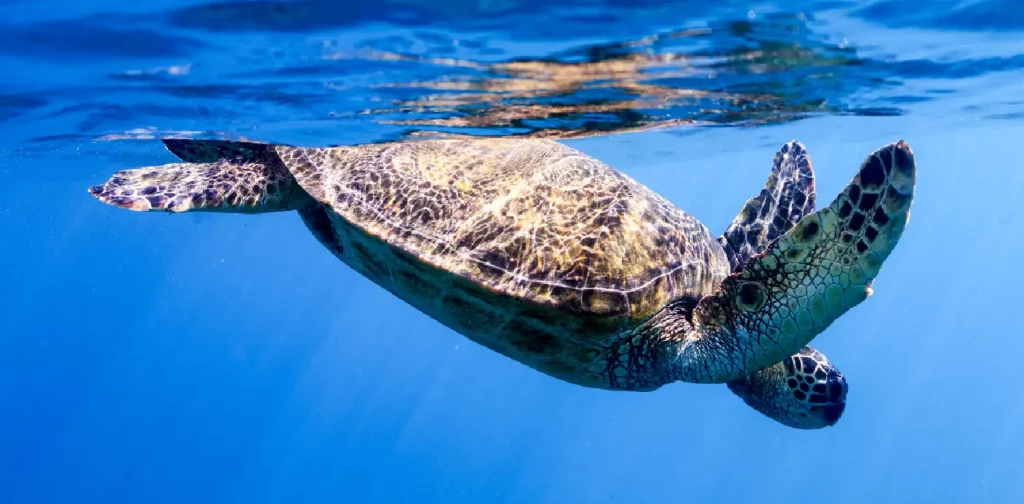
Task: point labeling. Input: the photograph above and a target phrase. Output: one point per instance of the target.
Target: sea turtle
(548, 256)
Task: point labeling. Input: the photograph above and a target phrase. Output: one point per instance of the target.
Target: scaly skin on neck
(646, 357)
(696, 344)
(783, 298)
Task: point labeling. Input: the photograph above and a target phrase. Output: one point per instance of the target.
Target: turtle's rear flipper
(228, 185)
(787, 197)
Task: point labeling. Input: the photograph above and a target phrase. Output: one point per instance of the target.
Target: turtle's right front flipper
(236, 185)
(805, 280)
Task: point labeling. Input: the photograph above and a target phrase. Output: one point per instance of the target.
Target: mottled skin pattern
(554, 259)
(806, 279)
(782, 391)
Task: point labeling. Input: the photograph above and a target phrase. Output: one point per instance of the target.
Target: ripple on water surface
(375, 71)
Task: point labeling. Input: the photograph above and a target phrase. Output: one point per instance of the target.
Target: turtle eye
(751, 296)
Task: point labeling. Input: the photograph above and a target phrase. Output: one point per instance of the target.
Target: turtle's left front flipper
(787, 197)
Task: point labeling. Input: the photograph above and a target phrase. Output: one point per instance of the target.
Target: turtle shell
(531, 219)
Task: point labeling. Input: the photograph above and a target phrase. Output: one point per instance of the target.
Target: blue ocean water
(230, 358)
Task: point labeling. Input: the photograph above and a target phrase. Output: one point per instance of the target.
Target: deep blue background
(228, 358)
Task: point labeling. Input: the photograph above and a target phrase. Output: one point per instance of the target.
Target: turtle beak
(837, 389)
(833, 412)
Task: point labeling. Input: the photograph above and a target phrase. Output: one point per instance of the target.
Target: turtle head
(804, 391)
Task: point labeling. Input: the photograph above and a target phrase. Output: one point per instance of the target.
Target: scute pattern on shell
(536, 220)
